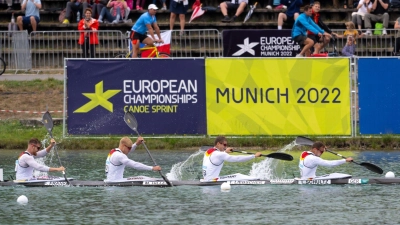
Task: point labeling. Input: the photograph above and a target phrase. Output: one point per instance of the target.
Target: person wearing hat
(147, 22)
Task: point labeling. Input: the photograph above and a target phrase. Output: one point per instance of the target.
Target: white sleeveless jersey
(25, 164)
(116, 162)
(309, 163)
(213, 162)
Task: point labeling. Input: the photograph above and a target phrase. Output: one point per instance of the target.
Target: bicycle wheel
(121, 56)
(163, 55)
(2, 66)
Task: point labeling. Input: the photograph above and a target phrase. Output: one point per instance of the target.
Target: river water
(269, 204)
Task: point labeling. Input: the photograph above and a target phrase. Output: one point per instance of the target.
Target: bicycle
(2, 66)
(153, 54)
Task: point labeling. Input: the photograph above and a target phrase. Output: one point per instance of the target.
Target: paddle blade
(279, 155)
(47, 121)
(130, 120)
(300, 140)
(372, 167)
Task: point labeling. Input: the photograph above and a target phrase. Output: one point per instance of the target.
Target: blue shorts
(26, 20)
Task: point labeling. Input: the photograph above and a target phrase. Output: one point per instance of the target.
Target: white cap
(152, 6)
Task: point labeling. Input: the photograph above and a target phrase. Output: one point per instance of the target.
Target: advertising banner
(259, 43)
(166, 96)
(379, 95)
(278, 96)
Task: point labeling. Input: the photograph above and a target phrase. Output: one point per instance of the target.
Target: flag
(162, 47)
(197, 12)
(252, 7)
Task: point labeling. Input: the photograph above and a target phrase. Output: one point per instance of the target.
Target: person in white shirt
(214, 158)
(26, 161)
(117, 160)
(310, 160)
(364, 7)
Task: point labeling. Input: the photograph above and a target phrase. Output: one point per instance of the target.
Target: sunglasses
(37, 147)
(224, 144)
(129, 148)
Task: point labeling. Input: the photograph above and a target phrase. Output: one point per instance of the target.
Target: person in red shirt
(88, 39)
(320, 41)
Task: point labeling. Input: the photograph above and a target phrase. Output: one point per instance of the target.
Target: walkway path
(30, 76)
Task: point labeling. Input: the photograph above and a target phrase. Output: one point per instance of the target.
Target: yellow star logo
(98, 98)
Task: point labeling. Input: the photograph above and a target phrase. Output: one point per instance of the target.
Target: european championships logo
(98, 98)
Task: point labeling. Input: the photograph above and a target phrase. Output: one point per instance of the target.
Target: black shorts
(137, 36)
(289, 20)
(300, 39)
(314, 37)
(232, 6)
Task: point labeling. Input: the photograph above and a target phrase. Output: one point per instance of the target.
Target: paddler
(310, 160)
(117, 159)
(26, 161)
(214, 158)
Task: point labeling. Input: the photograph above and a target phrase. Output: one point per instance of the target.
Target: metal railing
(46, 50)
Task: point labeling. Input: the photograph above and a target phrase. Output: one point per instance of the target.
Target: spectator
(299, 31)
(164, 7)
(73, 7)
(397, 42)
(88, 38)
(277, 3)
(118, 11)
(238, 5)
(178, 8)
(10, 4)
(363, 7)
(98, 5)
(320, 41)
(32, 16)
(291, 14)
(378, 14)
(139, 4)
(350, 31)
(350, 48)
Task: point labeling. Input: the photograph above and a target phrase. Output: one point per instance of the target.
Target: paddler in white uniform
(310, 160)
(26, 161)
(214, 159)
(117, 160)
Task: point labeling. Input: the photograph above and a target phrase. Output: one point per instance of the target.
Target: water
(273, 204)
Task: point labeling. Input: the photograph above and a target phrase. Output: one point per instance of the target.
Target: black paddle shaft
(131, 121)
(47, 120)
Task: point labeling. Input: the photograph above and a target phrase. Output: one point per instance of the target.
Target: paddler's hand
(61, 168)
(139, 141)
(156, 168)
(52, 142)
(228, 150)
(349, 159)
(258, 154)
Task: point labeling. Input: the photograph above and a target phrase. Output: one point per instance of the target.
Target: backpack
(395, 4)
(61, 18)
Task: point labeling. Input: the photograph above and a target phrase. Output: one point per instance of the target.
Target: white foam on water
(270, 168)
(190, 169)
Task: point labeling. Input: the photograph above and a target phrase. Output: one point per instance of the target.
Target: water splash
(49, 158)
(271, 168)
(190, 169)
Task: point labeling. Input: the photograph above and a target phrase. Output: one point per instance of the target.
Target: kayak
(158, 182)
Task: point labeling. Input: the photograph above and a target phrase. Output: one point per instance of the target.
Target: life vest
(108, 161)
(17, 161)
(303, 156)
(208, 155)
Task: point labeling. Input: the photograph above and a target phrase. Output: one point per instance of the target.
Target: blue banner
(166, 96)
(379, 95)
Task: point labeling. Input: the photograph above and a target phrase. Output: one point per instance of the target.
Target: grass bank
(15, 136)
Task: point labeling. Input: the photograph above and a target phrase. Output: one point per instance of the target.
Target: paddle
(274, 155)
(48, 123)
(130, 120)
(374, 168)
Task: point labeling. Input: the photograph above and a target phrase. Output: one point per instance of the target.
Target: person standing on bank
(117, 160)
(310, 160)
(215, 157)
(32, 16)
(178, 7)
(88, 39)
(26, 161)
